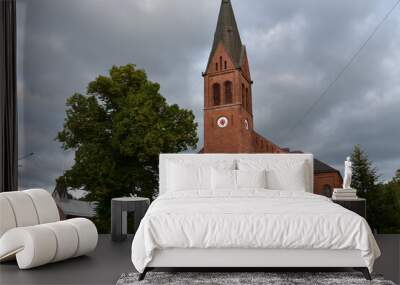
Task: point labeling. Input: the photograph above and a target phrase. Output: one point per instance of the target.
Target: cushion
(188, 177)
(87, 234)
(251, 178)
(67, 240)
(23, 208)
(223, 179)
(7, 218)
(289, 174)
(45, 206)
(199, 168)
(26, 208)
(41, 244)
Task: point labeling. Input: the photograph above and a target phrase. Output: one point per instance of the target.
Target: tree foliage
(383, 199)
(396, 178)
(117, 130)
(364, 175)
(388, 205)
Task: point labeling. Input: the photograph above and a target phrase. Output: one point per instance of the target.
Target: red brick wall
(333, 179)
(235, 138)
(232, 139)
(262, 145)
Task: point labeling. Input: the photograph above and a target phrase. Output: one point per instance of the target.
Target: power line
(342, 71)
(26, 156)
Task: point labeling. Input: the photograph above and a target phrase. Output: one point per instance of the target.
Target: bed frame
(256, 259)
(251, 259)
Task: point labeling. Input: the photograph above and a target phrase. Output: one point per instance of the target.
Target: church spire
(227, 32)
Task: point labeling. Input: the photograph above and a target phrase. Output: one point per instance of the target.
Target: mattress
(250, 219)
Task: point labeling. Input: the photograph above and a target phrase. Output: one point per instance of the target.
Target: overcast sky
(295, 49)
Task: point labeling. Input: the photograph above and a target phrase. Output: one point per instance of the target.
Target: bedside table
(120, 207)
(358, 206)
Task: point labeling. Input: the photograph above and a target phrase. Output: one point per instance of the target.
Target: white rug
(269, 278)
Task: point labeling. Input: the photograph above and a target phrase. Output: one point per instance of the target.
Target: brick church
(228, 104)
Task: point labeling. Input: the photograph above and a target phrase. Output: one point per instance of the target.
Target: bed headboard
(204, 158)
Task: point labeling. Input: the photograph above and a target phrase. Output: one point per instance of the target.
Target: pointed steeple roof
(227, 32)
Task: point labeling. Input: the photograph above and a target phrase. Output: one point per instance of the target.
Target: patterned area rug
(229, 278)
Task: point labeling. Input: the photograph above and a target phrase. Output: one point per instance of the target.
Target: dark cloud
(295, 50)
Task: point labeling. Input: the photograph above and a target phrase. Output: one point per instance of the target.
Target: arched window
(228, 92)
(216, 66)
(216, 94)
(220, 62)
(327, 191)
(243, 97)
(247, 99)
(225, 64)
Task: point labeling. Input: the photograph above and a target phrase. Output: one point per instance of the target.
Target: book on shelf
(345, 194)
(340, 190)
(345, 198)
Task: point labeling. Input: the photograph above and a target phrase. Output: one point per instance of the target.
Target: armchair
(31, 231)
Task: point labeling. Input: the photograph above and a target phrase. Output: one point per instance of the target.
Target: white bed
(248, 227)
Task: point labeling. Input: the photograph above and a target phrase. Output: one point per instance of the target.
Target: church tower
(228, 112)
(228, 107)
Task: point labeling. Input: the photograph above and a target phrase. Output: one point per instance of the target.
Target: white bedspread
(250, 219)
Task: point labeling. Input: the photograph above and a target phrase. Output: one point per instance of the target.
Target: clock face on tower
(222, 122)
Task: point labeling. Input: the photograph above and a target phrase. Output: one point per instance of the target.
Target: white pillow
(188, 177)
(223, 179)
(292, 179)
(282, 174)
(251, 178)
(173, 175)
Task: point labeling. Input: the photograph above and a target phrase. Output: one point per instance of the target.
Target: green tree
(396, 178)
(383, 204)
(389, 208)
(364, 175)
(117, 130)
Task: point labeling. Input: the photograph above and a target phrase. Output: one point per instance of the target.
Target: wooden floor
(106, 264)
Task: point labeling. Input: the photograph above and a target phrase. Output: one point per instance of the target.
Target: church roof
(227, 32)
(321, 167)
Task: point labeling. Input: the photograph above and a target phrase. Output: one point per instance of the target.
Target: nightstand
(358, 206)
(120, 207)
